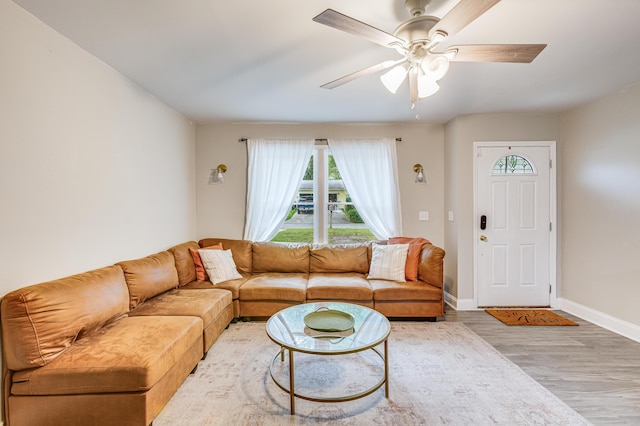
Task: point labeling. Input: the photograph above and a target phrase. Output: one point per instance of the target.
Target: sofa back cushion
(241, 250)
(431, 267)
(149, 276)
(339, 258)
(275, 257)
(183, 259)
(40, 321)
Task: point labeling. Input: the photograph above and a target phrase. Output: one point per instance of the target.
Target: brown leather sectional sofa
(277, 276)
(112, 345)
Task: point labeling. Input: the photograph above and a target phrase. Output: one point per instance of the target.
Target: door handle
(483, 238)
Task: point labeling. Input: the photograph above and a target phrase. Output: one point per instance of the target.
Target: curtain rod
(317, 140)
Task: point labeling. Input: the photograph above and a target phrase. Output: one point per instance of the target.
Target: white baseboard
(611, 323)
(624, 328)
(460, 304)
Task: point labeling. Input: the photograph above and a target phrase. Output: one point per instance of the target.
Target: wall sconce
(419, 171)
(217, 174)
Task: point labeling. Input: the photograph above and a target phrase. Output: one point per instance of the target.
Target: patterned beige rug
(440, 373)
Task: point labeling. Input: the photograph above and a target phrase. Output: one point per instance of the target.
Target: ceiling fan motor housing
(416, 31)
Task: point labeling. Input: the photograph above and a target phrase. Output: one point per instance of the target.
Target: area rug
(440, 373)
(529, 317)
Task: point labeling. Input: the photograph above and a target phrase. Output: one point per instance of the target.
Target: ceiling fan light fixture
(435, 66)
(417, 38)
(427, 86)
(394, 78)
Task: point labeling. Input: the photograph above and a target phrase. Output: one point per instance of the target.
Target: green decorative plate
(329, 320)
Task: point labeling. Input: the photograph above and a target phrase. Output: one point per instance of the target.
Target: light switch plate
(450, 215)
(423, 215)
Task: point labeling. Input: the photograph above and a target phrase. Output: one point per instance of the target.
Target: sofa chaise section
(152, 282)
(73, 356)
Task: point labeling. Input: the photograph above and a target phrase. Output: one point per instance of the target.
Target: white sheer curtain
(274, 173)
(369, 171)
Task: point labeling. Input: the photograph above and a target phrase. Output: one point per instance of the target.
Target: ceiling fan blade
(520, 53)
(347, 24)
(371, 70)
(460, 16)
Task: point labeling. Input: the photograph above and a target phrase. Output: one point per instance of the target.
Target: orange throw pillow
(413, 256)
(201, 273)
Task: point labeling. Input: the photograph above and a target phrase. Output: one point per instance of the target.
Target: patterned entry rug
(529, 317)
(440, 373)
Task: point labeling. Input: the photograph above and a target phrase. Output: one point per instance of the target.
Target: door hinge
(549, 288)
(550, 163)
(550, 226)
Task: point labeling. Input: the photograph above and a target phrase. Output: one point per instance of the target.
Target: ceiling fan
(417, 40)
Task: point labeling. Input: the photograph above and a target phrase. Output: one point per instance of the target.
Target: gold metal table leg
(386, 370)
(292, 391)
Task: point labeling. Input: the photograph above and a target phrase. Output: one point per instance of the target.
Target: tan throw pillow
(388, 262)
(219, 265)
(413, 255)
(201, 273)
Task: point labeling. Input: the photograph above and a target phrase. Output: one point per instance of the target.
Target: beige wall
(221, 208)
(93, 169)
(600, 205)
(460, 134)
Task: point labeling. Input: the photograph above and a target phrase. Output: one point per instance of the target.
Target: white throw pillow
(219, 265)
(388, 262)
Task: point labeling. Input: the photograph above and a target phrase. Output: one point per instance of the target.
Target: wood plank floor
(593, 370)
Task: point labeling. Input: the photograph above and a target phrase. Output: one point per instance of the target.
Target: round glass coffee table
(287, 328)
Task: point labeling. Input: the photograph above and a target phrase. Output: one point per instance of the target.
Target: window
(322, 211)
(512, 164)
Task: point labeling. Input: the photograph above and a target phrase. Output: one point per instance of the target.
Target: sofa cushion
(241, 250)
(339, 258)
(280, 286)
(207, 304)
(278, 257)
(42, 321)
(431, 266)
(184, 261)
(149, 276)
(384, 291)
(388, 262)
(128, 355)
(342, 286)
(233, 286)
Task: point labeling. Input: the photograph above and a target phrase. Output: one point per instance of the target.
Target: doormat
(529, 317)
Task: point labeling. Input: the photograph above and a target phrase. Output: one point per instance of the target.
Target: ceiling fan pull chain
(413, 107)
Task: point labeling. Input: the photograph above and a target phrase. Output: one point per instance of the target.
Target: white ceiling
(264, 61)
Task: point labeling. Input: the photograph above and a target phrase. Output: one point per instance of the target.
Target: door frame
(553, 211)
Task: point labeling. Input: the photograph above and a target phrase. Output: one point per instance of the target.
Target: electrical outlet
(450, 215)
(423, 215)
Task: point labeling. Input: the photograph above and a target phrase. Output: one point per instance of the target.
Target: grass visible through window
(336, 235)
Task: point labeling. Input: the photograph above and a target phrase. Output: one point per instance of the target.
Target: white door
(513, 225)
